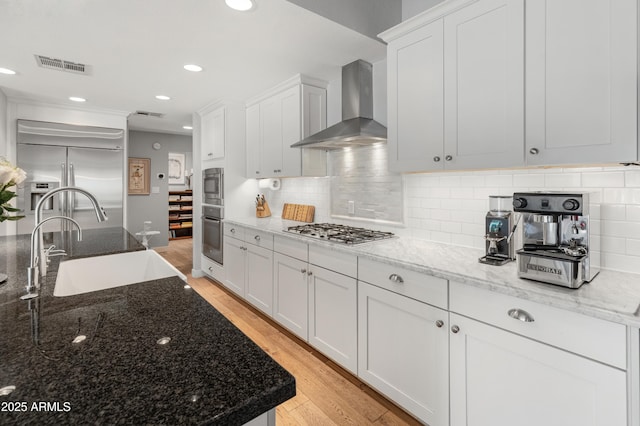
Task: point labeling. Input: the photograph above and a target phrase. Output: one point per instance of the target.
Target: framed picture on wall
(139, 173)
(176, 168)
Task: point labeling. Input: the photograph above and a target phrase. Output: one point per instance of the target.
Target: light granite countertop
(611, 295)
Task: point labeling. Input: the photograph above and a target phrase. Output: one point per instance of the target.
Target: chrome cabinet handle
(436, 158)
(534, 151)
(520, 315)
(232, 230)
(257, 237)
(309, 273)
(455, 329)
(439, 323)
(395, 278)
(448, 158)
(304, 271)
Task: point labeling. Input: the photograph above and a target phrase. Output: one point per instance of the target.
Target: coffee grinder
(499, 230)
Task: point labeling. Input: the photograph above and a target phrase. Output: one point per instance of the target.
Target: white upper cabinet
(279, 119)
(456, 83)
(492, 83)
(416, 97)
(484, 85)
(581, 81)
(213, 134)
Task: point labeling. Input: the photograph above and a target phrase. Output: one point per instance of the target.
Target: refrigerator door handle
(62, 205)
(72, 195)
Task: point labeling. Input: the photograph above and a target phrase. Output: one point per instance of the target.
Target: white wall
(413, 7)
(368, 17)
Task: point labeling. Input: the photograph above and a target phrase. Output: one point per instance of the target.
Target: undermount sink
(89, 274)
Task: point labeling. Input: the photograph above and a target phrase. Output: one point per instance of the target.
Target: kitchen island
(104, 357)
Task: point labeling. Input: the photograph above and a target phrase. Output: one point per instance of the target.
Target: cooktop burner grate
(339, 233)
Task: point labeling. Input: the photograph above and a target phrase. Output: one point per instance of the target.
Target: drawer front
(259, 238)
(291, 247)
(422, 287)
(235, 231)
(338, 261)
(593, 338)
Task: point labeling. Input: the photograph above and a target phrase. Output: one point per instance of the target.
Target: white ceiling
(136, 49)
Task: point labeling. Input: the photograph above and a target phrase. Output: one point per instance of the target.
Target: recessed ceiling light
(187, 127)
(193, 67)
(163, 97)
(77, 99)
(241, 5)
(7, 71)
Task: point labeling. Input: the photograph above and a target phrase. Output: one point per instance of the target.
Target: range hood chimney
(357, 126)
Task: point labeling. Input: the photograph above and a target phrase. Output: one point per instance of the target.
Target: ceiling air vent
(61, 65)
(149, 114)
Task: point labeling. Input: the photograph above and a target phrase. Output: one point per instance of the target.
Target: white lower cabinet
(290, 294)
(333, 319)
(501, 378)
(234, 265)
(317, 304)
(520, 362)
(403, 351)
(249, 267)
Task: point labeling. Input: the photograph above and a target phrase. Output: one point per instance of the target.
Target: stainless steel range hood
(357, 126)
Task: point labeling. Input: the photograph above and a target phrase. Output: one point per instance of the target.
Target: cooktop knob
(571, 204)
(519, 203)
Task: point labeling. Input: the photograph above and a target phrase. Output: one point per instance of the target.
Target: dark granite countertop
(209, 373)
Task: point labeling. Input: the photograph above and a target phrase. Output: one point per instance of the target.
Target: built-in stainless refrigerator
(56, 154)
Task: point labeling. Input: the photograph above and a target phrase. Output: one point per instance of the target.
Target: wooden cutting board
(299, 212)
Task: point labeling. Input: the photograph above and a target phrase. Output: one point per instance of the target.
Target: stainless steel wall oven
(212, 232)
(213, 186)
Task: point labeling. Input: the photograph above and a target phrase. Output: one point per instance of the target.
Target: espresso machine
(557, 238)
(499, 230)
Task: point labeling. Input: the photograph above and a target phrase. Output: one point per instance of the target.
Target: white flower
(9, 174)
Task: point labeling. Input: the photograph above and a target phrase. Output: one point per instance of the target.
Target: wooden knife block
(263, 210)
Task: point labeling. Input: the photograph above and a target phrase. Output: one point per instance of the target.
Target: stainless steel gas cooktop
(339, 233)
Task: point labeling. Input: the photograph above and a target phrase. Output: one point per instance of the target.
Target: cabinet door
(581, 81)
(271, 136)
(213, 134)
(234, 265)
(500, 378)
(290, 294)
(333, 318)
(314, 119)
(415, 104)
(259, 279)
(484, 85)
(403, 352)
(253, 142)
(291, 132)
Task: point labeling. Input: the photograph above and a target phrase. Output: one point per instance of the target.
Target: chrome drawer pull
(439, 323)
(395, 278)
(257, 237)
(521, 315)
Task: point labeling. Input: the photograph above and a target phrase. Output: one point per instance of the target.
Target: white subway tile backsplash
(563, 180)
(528, 180)
(450, 207)
(604, 179)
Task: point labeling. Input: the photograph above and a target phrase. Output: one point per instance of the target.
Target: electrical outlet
(351, 206)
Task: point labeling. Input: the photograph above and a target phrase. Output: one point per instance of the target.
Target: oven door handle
(212, 219)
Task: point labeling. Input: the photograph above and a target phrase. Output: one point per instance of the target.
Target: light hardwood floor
(325, 393)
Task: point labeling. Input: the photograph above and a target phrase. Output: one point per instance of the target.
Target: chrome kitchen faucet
(32, 270)
(100, 214)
